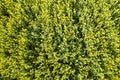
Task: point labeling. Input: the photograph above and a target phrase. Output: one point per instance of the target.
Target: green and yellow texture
(59, 39)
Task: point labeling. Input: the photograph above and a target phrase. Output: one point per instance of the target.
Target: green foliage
(59, 39)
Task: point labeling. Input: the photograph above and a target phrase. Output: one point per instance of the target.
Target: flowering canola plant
(59, 40)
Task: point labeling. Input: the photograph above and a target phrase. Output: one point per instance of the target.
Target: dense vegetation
(59, 39)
